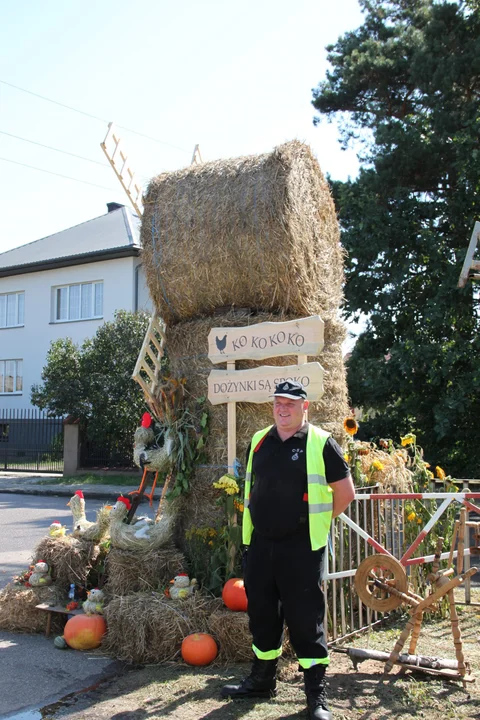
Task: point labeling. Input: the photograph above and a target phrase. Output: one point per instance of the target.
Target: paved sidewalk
(33, 484)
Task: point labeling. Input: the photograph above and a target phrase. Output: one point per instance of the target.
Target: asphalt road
(33, 673)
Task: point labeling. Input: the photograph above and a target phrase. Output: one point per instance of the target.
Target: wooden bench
(56, 609)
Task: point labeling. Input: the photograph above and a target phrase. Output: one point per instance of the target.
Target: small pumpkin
(234, 595)
(199, 649)
(60, 643)
(84, 632)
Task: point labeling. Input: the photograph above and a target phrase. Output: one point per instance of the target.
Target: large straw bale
(233, 635)
(131, 571)
(149, 628)
(69, 559)
(258, 231)
(18, 612)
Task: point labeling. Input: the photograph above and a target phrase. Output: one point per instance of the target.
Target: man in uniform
(296, 481)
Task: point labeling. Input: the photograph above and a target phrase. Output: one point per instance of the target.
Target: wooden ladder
(148, 368)
(118, 159)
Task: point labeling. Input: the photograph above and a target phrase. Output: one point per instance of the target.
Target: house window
(78, 302)
(4, 432)
(12, 309)
(11, 376)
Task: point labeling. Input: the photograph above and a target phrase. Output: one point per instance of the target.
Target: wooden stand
(55, 609)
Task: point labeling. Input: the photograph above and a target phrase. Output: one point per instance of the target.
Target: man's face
(288, 414)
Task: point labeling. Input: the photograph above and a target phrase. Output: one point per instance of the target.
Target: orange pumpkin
(84, 632)
(234, 595)
(199, 649)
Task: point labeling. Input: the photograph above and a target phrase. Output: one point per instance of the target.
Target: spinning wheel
(381, 583)
(384, 570)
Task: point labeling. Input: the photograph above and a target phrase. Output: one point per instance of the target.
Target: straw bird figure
(40, 576)
(182, 587)
(85, 529)
(147, 454)
(94, 604)
(133, 537)
(57, 530)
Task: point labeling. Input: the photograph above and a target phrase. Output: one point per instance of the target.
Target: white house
(65, 285)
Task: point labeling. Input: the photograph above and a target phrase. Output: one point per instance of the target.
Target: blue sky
(234, 77)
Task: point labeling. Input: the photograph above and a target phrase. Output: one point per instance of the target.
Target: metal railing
(30, 441)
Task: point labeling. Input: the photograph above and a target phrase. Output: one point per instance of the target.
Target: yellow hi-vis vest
(320, 494)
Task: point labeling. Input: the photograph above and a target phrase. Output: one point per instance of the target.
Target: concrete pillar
(71, 448)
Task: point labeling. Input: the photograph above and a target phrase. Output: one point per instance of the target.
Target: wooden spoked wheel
(390, 572)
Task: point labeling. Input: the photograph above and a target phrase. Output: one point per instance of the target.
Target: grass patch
(89, 479)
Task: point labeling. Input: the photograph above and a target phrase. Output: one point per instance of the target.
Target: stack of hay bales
(70, 560)
(239, 242)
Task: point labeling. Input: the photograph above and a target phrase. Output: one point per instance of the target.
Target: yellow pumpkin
(84, 632)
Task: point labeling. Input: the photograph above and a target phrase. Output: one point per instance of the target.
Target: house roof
(116, 234)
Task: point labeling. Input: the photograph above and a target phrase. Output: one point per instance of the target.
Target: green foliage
(93, 382)
(189, 433)
(406, 87)
(215, 553)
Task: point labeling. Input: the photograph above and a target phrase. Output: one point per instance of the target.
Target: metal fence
(383, 525)
(112, 453)
(31, 441)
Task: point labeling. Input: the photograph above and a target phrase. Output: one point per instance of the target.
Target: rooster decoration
(139, 535)
(148, 454)
(182, 587)
(40, 576)
(83, 528)
(94, 604)
(57, 530)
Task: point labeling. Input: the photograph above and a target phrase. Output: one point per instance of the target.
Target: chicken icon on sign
(221, 343)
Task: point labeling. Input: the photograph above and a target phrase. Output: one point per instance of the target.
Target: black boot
(261, 682)
(315, 690)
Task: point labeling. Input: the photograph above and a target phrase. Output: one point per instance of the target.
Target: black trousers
(283, 584)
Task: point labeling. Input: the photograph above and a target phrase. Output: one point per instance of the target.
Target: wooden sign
(257, 385)
(265, 340)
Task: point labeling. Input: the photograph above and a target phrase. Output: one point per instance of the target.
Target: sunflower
(408, 439)
(377, 465)
(411, 516)
(350, 425)
(440, 473)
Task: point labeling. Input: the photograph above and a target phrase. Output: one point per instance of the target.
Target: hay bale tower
(258, 232)
(239, 242)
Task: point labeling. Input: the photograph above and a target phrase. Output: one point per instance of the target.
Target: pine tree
(406, 86)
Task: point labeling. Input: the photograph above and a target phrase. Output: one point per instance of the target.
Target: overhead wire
(94, 117)
(50, 172)
(49, 147)
(64, 152)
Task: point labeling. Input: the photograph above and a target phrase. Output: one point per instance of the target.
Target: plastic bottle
(71, 592)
